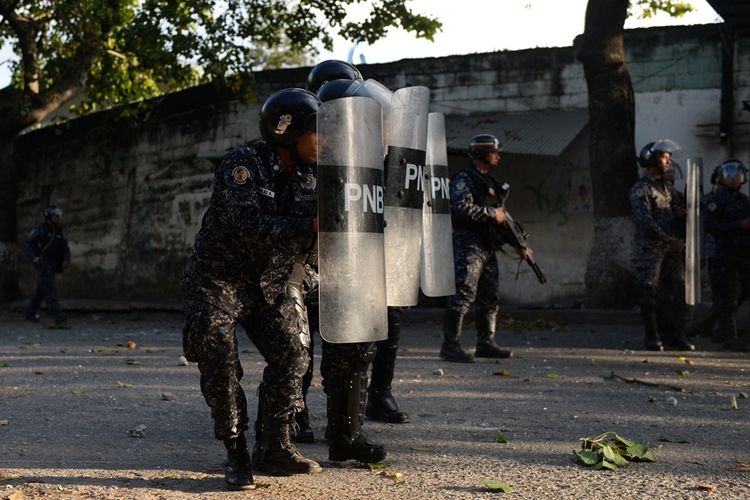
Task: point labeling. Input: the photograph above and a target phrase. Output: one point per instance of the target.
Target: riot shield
(436, 273)
(405, 129)
(693, 232)
(350, 211)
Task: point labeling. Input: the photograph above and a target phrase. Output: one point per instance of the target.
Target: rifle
(512, 233)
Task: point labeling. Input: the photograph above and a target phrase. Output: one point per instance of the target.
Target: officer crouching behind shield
(657, 250)
(474, 257)
(250, 265)
(728, 221)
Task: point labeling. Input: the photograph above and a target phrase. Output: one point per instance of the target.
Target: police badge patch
(460, 185)
(309, 182)
(240, 175)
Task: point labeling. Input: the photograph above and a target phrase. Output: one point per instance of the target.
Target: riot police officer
(332, 79)
(48, 250)
(475, 260)
(728, 221)
(251, 265)
(657, 248)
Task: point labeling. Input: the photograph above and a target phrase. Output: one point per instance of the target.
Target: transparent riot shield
(436, 274)
(405, 129)
(350, 210)
(693, 232)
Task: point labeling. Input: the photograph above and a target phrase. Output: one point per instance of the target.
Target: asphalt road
(71, 400)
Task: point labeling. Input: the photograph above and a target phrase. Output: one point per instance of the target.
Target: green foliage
(143, 48)
(496, 486)
(610, 451)
(649, 8)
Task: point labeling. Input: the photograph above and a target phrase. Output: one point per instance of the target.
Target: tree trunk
(609, 280)
(9, 289)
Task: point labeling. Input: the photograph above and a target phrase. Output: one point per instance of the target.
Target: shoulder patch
(460, 185)
(240, 175)
(711, 207)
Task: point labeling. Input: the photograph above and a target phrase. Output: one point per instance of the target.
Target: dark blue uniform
(474, 258)
(724, 210)
(259, 221)
(659, 272)
(47, 242)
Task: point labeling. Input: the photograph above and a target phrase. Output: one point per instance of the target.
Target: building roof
(545, 133)
(736, 13)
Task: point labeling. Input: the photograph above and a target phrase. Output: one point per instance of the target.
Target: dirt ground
(72, 401)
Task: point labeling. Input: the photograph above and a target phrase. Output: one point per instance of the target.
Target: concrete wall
(133, 195)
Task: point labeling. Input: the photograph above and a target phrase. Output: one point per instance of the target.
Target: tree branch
(25, 30)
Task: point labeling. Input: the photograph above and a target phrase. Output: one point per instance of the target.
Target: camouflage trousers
(476, 274)
(46, 290)
(657, 269)
(209, 339)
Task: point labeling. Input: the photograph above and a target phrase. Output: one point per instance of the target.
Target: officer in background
(475, 259)
(48, 250)
(251, 265)
(728, 221)
(657, 249)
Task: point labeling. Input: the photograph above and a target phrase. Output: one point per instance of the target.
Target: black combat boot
(451, 349)
(381, 405)
(674, 339)
(728, 333)
(346, 404)
(274, 452)
(486, 346)
(652, 339)
(237, 474)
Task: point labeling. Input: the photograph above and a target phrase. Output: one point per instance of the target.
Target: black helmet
(336, 89)
(481, 144)
(286, 115)
(732, 174)
(651, 151)
(52, 211)
(332, 69)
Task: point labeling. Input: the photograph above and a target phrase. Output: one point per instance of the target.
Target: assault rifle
(512, 233)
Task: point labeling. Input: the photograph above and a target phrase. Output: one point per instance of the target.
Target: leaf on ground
(553, 375)
(107, 350)
(496, 486)
(378, 466)
(741, 466)
(500, 438)
(131, 345)
(4, 479)
(39, 372)
(77, 392)
(502, 373)
(587, 457)
(595, 362)
(3, 364)
(132, 362)
(682, 373)
(124, 384)
(684, 359)
(167, 396)
(168, 475)
(391, 474)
